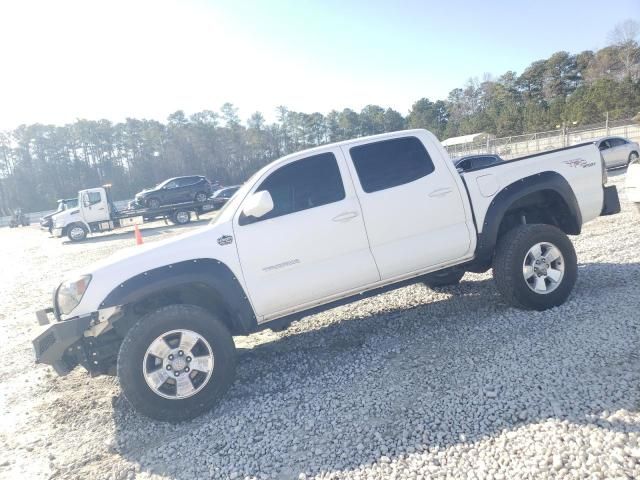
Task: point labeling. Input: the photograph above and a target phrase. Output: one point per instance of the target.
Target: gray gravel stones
(413, 384)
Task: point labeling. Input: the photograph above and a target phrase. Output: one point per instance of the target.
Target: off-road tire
(508, 261)
(142, 334)
(72, 228)
(443, 278)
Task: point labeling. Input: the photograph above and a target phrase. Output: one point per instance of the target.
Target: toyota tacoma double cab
(308, 232)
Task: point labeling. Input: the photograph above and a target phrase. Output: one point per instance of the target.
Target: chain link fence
(519, 145)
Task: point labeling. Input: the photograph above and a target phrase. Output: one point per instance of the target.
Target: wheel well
(543, 206)
(196, 293)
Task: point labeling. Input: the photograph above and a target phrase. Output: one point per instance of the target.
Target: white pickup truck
(311, 231)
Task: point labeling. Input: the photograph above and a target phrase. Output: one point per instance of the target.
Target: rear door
(413, 211)
(312, 245)
(620, 151)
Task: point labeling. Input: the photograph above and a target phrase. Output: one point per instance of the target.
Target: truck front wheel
(176, 363)
(76, 232)
(535, 266)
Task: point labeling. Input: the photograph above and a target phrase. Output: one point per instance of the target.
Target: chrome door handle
(345, 217)
(440, 192)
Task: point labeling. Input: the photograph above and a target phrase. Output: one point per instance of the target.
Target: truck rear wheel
(535, 266)
(181, 217)
(176, 363)
(76, 232)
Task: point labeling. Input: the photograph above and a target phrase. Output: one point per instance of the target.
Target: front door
(171, 193)
(312, 245)
(607, 153)
(94, 205)
(414, 211)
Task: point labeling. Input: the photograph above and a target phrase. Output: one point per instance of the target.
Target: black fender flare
(210, 272)
(513, 192)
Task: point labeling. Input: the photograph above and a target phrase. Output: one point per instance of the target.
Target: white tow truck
(96, 212)
(310, 231)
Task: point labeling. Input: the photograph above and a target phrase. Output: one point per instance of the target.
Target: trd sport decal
(579, 162)
(225, 240)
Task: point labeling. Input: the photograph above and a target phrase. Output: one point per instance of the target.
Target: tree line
(41, 163)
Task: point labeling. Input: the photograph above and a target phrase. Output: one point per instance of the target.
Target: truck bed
(580, 164)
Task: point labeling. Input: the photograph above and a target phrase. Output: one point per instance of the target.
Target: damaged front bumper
(68, 343)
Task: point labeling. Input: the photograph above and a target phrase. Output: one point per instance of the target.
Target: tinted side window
(306, 183)
(604, 145)
(186, 181)
(616, 142)
(390, 163)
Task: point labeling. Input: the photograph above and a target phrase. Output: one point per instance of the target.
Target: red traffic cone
(138, 236)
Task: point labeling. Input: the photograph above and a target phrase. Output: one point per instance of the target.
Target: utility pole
(606, 123)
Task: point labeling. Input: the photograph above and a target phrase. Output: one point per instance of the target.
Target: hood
(65, 216)
(111, 272)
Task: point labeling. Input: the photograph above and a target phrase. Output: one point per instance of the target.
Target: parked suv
(194, 188)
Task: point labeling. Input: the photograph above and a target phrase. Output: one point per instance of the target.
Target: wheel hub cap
(543, 267)
(178, 364)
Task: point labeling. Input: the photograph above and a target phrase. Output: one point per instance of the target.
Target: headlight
(70, 293)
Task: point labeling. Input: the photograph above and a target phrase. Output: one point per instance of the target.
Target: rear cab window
(390, 163)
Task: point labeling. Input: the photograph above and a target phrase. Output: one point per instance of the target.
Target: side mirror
(258, 204)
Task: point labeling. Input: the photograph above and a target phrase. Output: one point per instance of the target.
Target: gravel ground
(412, 384)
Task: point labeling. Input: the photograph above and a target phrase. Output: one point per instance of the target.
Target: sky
(114, 59)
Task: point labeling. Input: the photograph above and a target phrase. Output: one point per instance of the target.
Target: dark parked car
(194, 188)
(222, 196)
(63, 204)
(471, 162)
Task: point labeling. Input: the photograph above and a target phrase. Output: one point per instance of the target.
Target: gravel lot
(412, 384)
